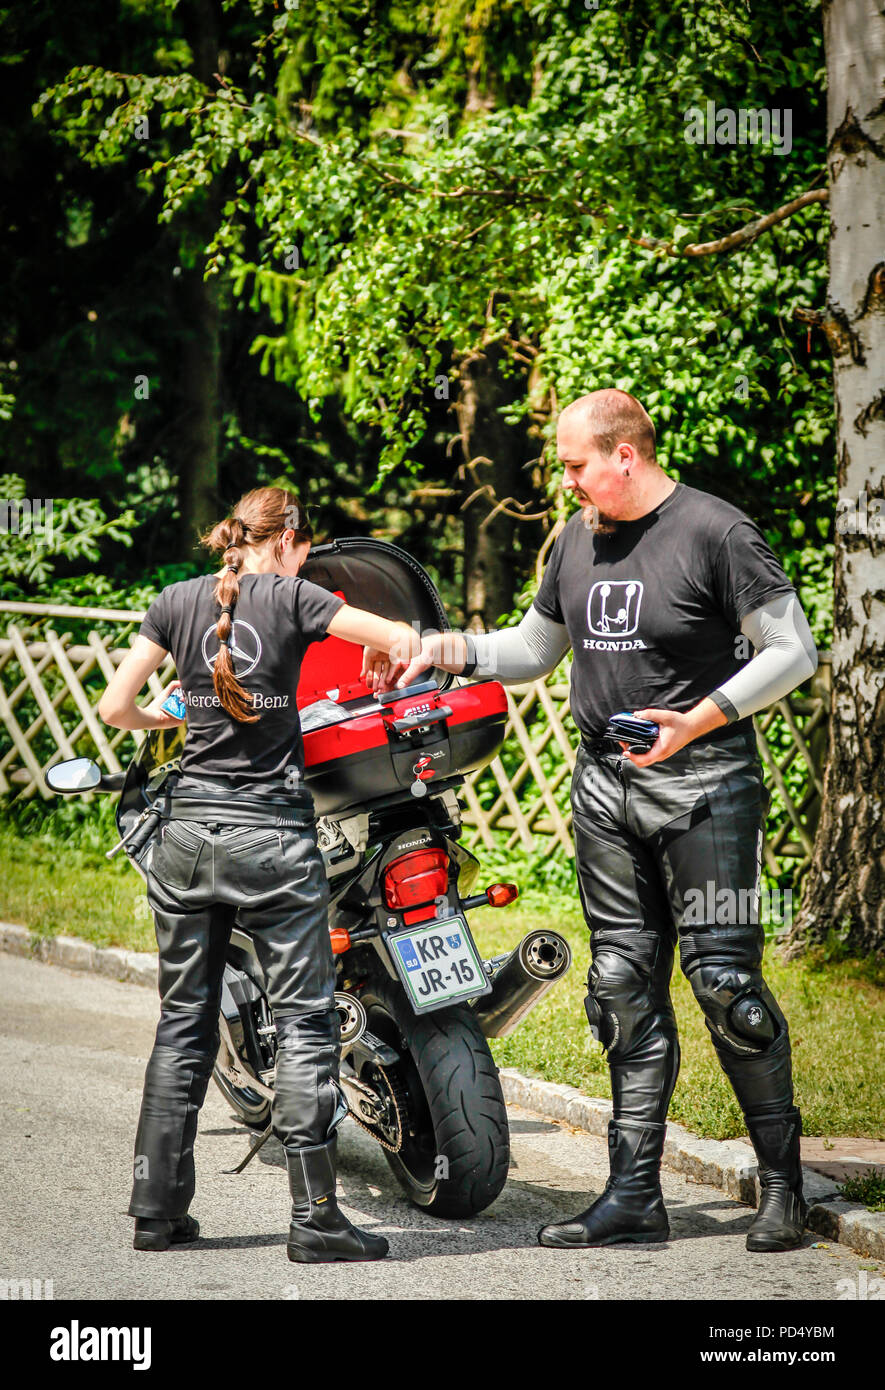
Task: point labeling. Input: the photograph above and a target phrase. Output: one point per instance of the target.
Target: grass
(868, 1188)
(836, 1013)
(836, 1008)
(57, 889)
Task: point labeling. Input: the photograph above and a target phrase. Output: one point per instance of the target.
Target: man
(659, 588)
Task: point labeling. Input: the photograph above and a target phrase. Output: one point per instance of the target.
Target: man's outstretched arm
(532, 649)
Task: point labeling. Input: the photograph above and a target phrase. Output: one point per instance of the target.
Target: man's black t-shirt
(275, 619)
(653, 610)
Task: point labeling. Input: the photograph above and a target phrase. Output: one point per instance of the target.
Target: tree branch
(741, 236)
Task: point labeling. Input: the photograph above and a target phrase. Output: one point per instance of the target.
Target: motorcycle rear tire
(251, 1107)
(457, 1162)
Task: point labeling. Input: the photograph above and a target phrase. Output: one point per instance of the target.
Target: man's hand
(676, 730)
(447, 650)
(381, 672)
(430, 655)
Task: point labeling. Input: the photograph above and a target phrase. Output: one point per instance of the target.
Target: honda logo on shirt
(613, 607)
(245, 647)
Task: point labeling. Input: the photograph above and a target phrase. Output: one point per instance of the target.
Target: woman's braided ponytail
(258, 516)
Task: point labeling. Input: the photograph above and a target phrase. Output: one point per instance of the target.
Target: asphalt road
(73, 1048)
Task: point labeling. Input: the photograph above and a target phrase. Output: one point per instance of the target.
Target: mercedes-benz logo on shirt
(613, 607)
(245, 647)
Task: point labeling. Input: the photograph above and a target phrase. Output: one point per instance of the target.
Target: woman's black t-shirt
(275, 619)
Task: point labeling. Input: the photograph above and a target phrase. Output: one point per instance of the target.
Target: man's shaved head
(611, 417)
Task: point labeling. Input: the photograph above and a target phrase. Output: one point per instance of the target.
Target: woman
(241, 841)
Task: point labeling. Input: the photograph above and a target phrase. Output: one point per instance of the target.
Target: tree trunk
(493, 454)
(197, 422)
(845, 887)
(198, 385)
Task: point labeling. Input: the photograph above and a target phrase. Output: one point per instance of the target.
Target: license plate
(438, 963)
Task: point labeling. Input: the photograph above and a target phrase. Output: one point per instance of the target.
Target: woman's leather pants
(204, 876)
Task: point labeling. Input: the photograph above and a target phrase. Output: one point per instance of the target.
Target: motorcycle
(416, 999)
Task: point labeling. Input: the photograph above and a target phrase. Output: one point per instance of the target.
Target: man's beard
(598, 522)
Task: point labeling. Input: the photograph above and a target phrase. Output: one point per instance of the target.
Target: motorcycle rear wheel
(251, 1106)
(456, 1162)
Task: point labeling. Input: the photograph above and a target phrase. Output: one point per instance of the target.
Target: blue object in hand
(640, 734)
(174, 705)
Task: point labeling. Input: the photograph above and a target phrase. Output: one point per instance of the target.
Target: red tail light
(419, 914)
(416, 878)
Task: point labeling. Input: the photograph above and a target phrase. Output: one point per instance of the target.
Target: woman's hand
(395, 654)
(380, 670)
(383, 641)
(161, 718)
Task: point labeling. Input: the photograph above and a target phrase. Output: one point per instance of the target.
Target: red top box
(366, 751)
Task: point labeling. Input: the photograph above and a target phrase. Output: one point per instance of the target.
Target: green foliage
(382, 191)
(66, 824)
(867, 1188)
(39, 532)
(409, 187)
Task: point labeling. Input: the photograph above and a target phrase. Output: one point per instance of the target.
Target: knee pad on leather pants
(308, 1102)
(740, 1011)
(629, 1011)
(749, 1031)
(621, 1005)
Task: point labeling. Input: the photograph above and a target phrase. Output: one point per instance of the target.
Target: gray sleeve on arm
(785, 657)
(520, 653)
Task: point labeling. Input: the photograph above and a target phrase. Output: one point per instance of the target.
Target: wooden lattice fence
(51, 682)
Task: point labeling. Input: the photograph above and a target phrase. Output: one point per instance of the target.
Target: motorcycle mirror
(75, 775)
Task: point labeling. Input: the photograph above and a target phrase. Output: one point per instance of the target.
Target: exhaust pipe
(520, 980)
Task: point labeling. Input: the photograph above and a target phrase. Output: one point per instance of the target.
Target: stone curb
(719, 1163)
(134, 967)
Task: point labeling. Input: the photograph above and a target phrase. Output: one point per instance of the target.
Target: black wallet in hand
(640, 734)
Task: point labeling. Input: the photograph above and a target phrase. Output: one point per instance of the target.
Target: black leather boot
(631, 1207)
(320, 1232)
(158, 1233)
(780, 1220)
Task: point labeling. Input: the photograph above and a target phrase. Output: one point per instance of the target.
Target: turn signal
(500, 894)
(340, 939)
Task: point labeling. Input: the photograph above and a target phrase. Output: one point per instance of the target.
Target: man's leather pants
(665, 853)
(204, 876)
